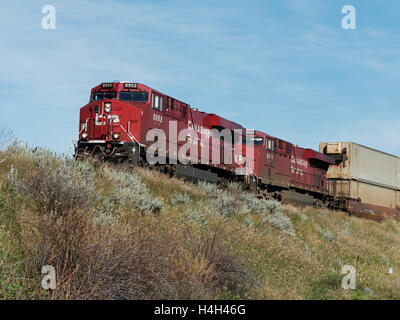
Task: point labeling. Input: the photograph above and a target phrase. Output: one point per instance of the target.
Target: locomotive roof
(118, 85)
(214, 118)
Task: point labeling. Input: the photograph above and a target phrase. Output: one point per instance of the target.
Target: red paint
(284, 165)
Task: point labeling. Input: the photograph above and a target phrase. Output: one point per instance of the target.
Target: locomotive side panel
(282, 163)
(283, 166)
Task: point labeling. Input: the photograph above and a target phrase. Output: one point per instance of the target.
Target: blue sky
(286, 67)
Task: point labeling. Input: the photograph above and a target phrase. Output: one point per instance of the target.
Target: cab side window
(184, 112)
(270, 145)
(158, 102)
(170, 104)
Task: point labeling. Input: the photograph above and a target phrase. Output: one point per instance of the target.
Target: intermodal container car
(364, 180)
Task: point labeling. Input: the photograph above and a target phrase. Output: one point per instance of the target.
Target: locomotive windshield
(103, 95)
(257, 141)
(134, 96)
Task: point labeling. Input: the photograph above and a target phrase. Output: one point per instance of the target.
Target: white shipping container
(364, 173)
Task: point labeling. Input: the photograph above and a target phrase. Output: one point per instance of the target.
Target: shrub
(382, 257)
(234, 187)
(345, 228)
(109, 261)
(105, 213)
(14, 183)
(279, 221)
(129, 191)
(181, 198)
(197, 216)
(6, 137)
(209, 188)
(270, 212)
(271, 206)
(226, 270)
(53, 184)
(224, 205)
(250, 204)
(249, 222)
(11, 282)
(302, 216)
(327, 235)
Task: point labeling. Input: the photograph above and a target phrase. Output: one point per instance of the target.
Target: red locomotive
(118, 121)
(290, 173)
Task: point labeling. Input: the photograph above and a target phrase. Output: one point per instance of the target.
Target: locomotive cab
(110, 122)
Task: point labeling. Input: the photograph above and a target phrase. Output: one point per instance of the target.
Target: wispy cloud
(305, 8)
(287, 68)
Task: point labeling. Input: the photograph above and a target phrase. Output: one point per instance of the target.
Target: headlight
(107, 107)
(84, 135)
(116, 135)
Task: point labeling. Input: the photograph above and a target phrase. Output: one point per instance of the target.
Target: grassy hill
(115, 234)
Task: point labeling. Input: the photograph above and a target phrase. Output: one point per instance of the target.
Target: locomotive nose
(105, 121)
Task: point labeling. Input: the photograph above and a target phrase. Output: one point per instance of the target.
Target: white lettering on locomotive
(114, 117)
(300, 162)
(157, 118)
(96, 121)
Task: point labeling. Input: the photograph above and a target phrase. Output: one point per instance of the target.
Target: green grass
(182, 242)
